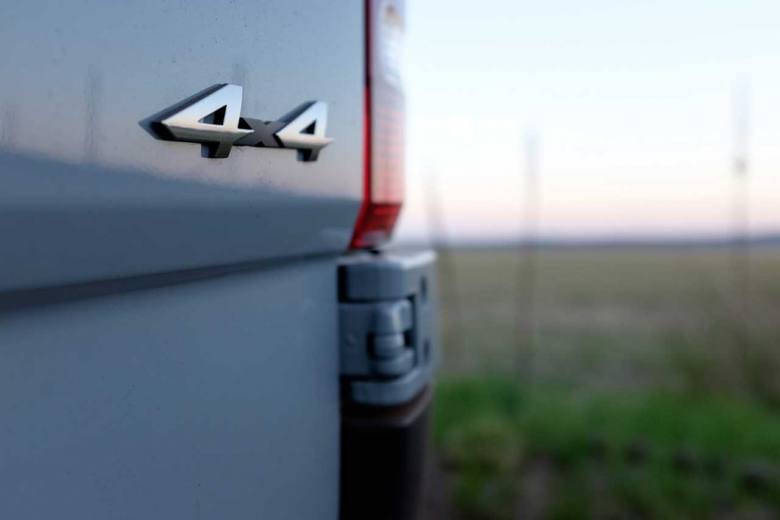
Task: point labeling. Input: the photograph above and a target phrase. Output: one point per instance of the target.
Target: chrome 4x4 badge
(213, 119)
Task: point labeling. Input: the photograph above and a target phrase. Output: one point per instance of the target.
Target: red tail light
(383, 140)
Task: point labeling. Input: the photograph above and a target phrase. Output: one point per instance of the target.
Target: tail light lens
(383, 162)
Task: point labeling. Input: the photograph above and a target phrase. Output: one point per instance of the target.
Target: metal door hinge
(389, 333)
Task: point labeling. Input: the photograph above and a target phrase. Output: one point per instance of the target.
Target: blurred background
(600, 180)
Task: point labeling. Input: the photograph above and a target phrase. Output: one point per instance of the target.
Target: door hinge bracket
(389, 336)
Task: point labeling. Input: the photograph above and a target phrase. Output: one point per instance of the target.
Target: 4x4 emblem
(213, 119)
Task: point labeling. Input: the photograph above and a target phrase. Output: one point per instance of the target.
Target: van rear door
(168, 322)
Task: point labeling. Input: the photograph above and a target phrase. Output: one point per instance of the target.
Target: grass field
(606, 387)
(609, 316)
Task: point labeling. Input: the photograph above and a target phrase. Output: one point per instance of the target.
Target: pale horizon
(633, 107)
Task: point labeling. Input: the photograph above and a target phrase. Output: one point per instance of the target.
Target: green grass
(627, 351)
(552, 419)
(490, 432)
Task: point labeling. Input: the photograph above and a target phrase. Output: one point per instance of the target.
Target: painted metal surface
(85, 193)
(193, 401)
(168, 322)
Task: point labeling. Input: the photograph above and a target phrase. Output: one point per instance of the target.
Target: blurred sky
(632, 102)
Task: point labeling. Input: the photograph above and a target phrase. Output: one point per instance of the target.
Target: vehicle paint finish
(193, 401)
(171, 394)
(82, 179)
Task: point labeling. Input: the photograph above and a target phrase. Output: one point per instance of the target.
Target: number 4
(211, 119)
(305, 130)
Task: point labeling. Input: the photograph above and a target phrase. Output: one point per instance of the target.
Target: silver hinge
(389, 333)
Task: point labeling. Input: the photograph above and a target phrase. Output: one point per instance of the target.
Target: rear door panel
(86, 193)
(168, 323)
(217, 399)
